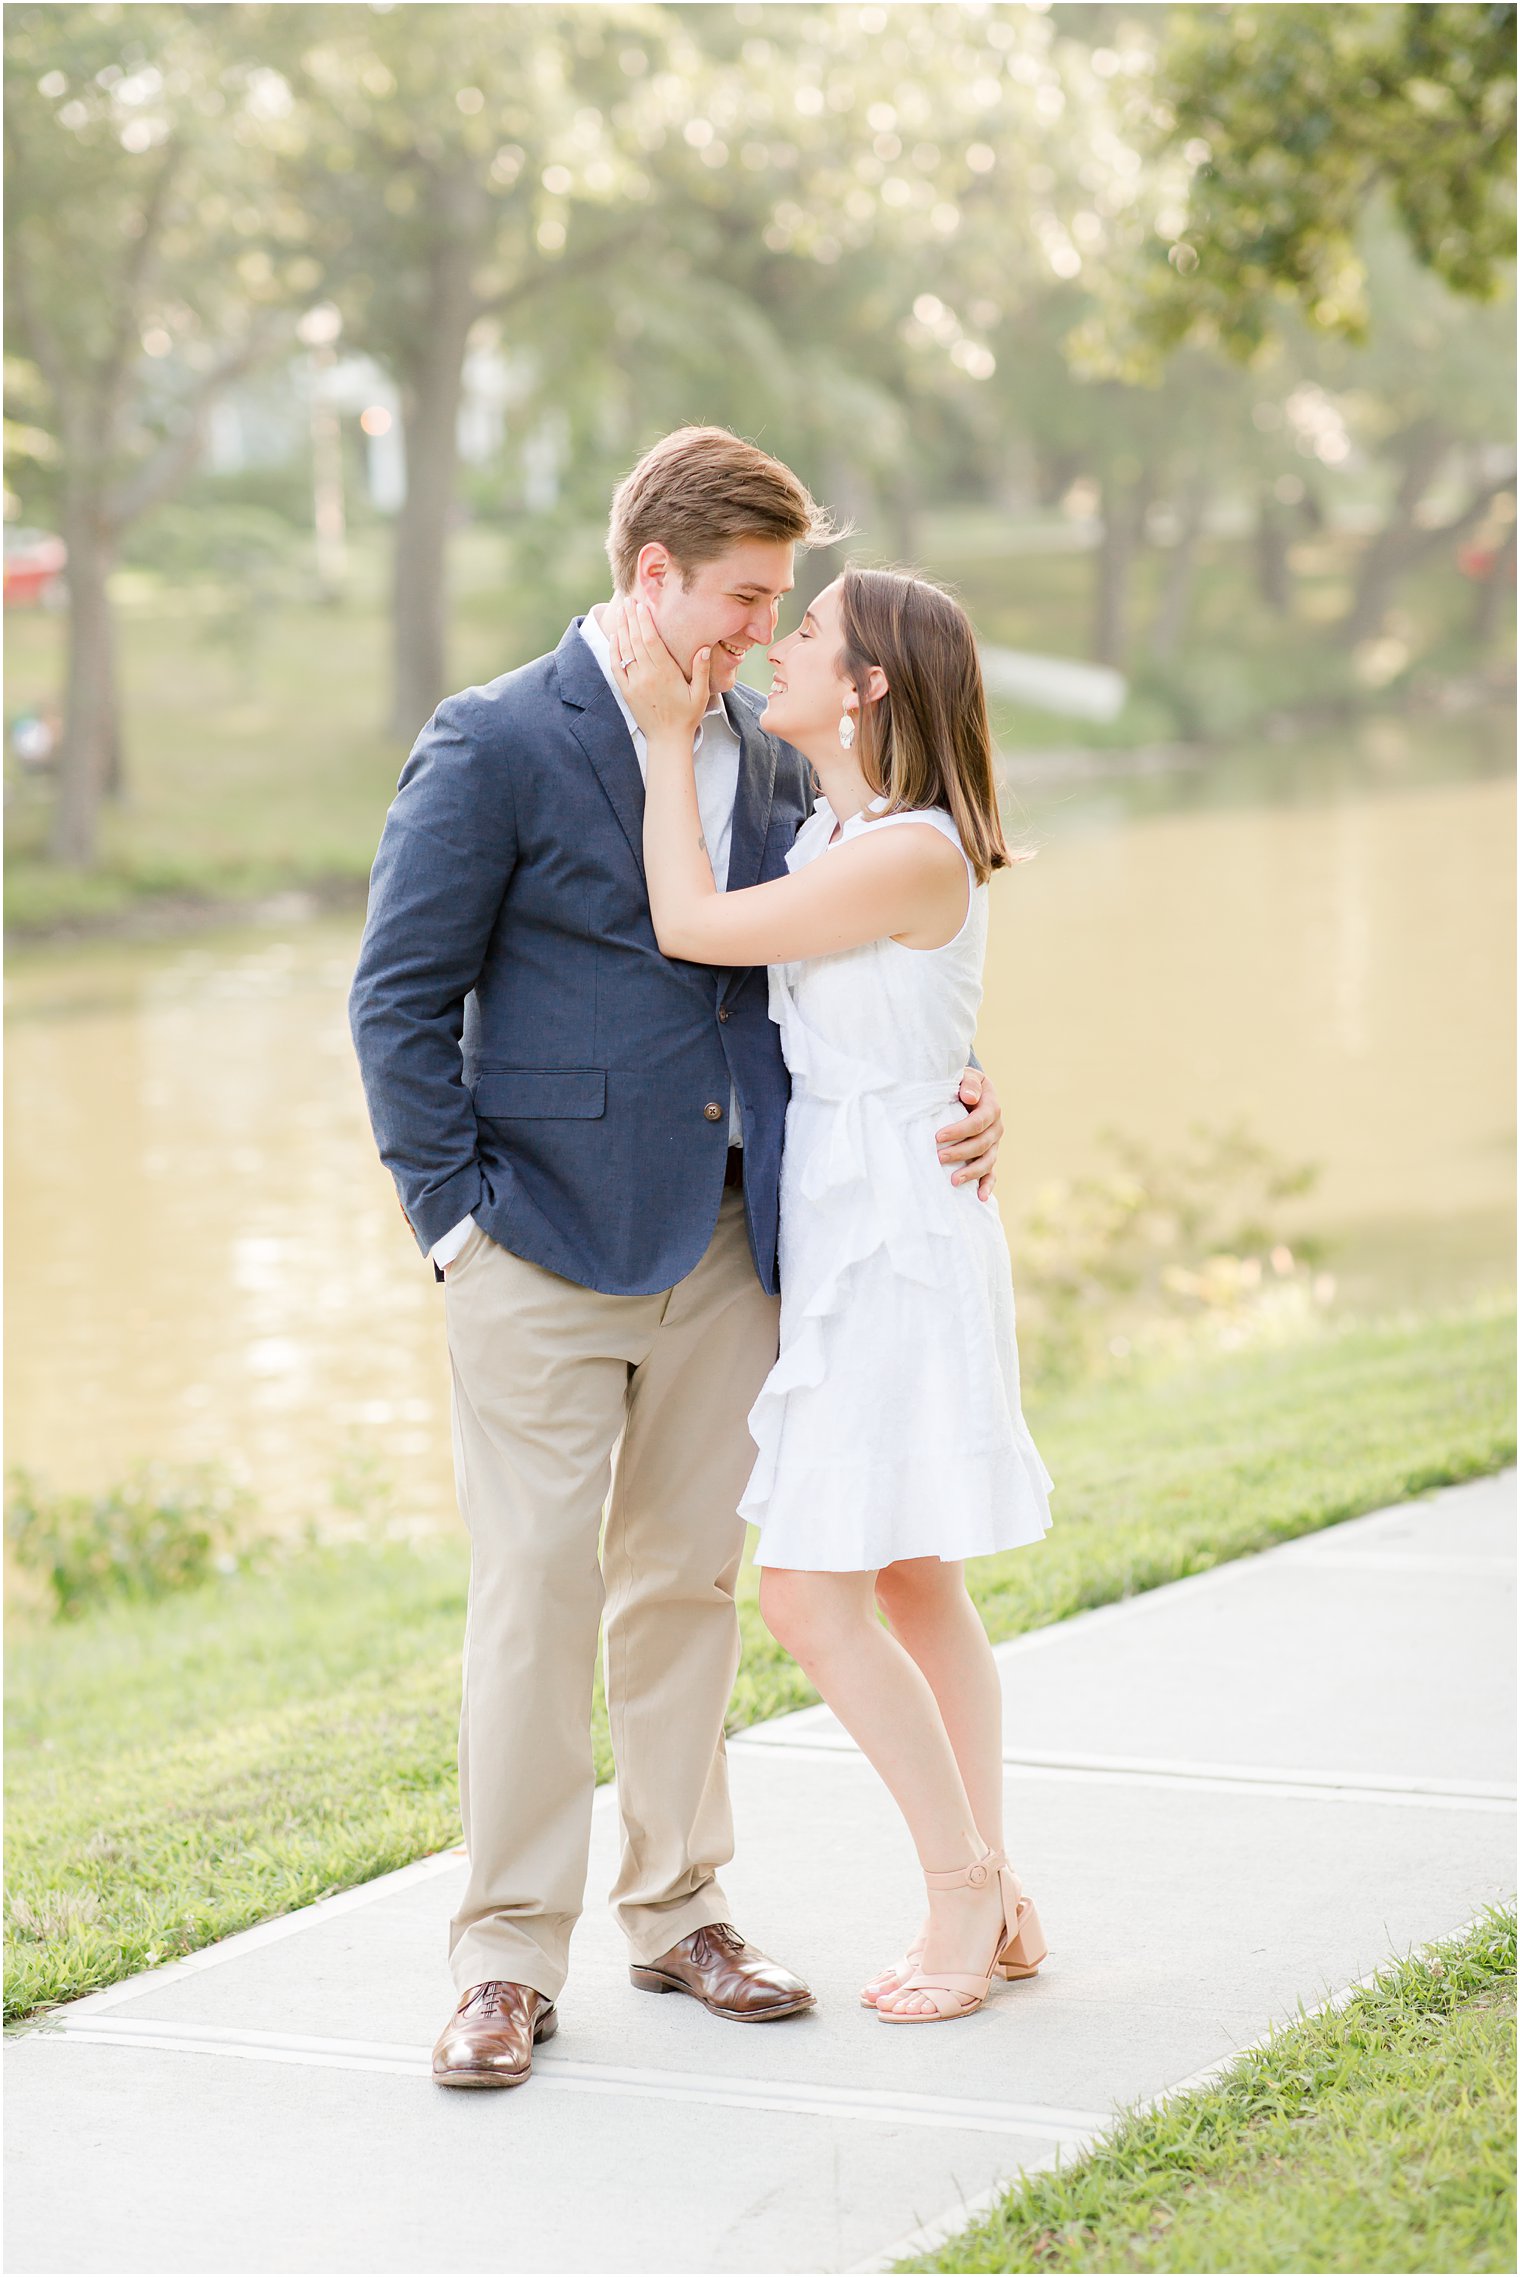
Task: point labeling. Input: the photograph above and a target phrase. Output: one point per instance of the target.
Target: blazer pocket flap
(541, 1094)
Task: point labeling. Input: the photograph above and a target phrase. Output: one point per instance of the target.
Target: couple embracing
(664, 1006)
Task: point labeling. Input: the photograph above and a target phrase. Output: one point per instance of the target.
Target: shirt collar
(596, 641)
(821, 806)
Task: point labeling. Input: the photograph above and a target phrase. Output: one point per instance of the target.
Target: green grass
(1379, 2136)
(179, 1771)
(253, 766)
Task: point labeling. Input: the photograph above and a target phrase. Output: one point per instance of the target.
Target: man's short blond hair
(701, 490)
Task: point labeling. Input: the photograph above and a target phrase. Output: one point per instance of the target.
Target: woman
(891, 1441)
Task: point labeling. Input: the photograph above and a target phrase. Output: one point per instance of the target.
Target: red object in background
(34, 562)
(1481, 562)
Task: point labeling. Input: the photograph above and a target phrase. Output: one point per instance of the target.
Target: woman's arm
(895, 882)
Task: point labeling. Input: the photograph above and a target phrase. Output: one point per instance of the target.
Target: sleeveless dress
(890, 1426)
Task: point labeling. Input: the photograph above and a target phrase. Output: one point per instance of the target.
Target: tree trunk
(431, 393)
(1399, 541)
(1274, 580)
(89, 754)
(850, 496)
(1124, 505)
(1177, 582)
(1054, 473)
(906, 507)
(115, 781)
(1496, 591)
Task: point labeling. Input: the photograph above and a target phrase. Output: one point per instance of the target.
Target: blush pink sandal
(1018, 1952)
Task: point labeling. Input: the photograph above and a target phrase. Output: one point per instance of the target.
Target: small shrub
(156, 1532)
(1152, 1257)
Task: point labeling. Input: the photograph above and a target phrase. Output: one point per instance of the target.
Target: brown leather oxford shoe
(730, 1978)
(490, 2038)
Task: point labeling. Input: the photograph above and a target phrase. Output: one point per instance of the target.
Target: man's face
(730, 604)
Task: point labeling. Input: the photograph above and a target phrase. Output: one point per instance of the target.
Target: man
(586, 1139)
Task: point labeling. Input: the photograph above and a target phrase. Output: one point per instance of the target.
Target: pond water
(205, 1259)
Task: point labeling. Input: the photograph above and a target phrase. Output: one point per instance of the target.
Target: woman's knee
(778, 1601)
(803, 1611)
(919, 1590)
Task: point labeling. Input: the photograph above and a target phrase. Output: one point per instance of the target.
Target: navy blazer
(529, 1056)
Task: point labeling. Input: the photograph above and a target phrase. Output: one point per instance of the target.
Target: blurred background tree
(460, 168)
(152, 253)
(1292, 122)
(1138, 275)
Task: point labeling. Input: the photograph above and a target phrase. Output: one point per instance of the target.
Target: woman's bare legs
(828, 1623)
(929, 1612)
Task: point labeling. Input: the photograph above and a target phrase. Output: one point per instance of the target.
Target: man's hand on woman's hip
(971, 1147)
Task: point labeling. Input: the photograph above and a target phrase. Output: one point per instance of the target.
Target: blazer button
(713, 1111)
(722, 1011)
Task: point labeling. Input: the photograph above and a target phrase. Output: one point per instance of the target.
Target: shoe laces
(485, 1995)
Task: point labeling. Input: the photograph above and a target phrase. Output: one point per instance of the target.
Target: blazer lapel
(752, 812)
(599, 728)
(752, 800)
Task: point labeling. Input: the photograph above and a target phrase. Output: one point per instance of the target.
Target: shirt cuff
(448, 1245)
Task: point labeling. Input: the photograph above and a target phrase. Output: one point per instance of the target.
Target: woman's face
(809, 691)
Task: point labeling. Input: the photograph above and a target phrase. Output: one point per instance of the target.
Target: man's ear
(652, 568)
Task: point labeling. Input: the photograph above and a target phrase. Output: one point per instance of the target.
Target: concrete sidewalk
(1237, 1793)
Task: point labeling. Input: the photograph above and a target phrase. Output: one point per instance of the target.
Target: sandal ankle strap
(968, 1877)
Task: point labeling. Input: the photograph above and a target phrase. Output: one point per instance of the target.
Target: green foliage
(1289, 119)
(142, 218)
(155, 1533)
(183, 1769)
(1378, 2135)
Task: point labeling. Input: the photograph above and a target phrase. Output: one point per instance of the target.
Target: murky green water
(206, 1260)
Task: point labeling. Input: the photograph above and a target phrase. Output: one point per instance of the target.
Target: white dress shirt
(716, 755)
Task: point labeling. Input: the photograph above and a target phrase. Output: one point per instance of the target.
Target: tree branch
(41, 338)
(574, 265)
(174, 459)
(1430, 541)
(124, 329)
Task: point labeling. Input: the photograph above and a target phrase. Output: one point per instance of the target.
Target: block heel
(1026, 1948)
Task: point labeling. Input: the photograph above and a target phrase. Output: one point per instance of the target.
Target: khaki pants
(546, 1376)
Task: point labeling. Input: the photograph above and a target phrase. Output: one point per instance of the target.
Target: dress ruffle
(890, 1426)
(861, 1153)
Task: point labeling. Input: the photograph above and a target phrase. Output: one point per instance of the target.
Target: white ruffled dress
(890, 1426)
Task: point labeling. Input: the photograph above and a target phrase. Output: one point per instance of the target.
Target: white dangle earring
(847, 728)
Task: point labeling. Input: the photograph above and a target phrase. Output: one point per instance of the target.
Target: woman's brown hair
(927, 741)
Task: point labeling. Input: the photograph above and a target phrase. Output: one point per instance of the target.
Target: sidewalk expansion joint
(876, 2106)
(1412, 1789)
